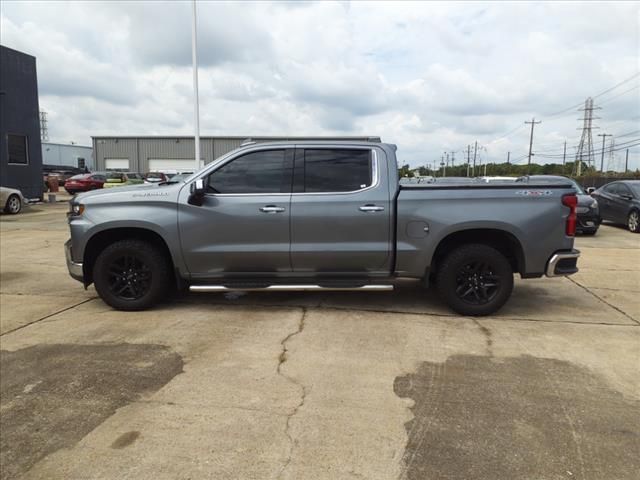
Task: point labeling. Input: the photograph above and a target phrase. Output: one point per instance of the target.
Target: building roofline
(66, 144)
(18, 51)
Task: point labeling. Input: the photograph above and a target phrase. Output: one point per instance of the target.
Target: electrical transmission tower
(585, 152)
(44, 130)
(611, 160)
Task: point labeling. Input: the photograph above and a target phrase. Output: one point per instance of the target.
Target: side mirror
(590, 190)
(197, 192)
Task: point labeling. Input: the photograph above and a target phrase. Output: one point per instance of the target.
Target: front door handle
(271, 209)
(371, 208)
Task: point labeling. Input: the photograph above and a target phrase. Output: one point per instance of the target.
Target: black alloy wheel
(129, 277)
(477, 283)
(474, 279)
(132, 274)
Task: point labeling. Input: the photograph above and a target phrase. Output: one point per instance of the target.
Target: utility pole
(453, 159)
(626, 162)
(564, 156)
(442, 165)
(604, 136)
(468, 158)
(475, 151)
(196, 102)
(508, 161)
(533, 123)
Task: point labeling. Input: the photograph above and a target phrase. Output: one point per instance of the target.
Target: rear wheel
(13, 205)
(633, 221)
(475, 279)
(131, 275)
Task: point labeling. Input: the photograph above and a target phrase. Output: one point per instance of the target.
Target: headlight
(594, 204)
(76, 210)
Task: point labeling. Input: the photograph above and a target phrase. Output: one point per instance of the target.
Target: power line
(620, 94)
(616, 86)
(573, 107)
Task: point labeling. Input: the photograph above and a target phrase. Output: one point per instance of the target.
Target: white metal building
(174, 154)
(67, 155)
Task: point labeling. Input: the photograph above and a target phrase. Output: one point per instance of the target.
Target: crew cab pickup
(318, 215)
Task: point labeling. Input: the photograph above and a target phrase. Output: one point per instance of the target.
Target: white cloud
(430, 77)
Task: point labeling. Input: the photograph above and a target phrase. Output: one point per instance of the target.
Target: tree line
(511, 170)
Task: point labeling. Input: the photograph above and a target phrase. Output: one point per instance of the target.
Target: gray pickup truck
(318, 216)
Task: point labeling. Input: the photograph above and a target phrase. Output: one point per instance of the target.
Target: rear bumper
(588, 223)
(563, 263)
(75, 269)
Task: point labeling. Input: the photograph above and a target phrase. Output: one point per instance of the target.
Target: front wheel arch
(101, 240)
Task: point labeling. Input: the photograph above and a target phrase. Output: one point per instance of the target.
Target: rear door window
(336, 170)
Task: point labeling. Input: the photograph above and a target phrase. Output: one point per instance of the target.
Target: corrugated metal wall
(140, 150)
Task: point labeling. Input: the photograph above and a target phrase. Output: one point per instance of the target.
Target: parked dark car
(620, 203)
(85, 182)
(589, 215)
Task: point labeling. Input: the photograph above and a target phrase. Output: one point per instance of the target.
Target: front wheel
(14, 205)
(475, 280)
(633, 221)
(131, 275)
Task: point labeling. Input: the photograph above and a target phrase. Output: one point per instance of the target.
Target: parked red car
(85, 182)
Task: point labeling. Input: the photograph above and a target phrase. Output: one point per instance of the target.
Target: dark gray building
(20, 150)
(174, 154)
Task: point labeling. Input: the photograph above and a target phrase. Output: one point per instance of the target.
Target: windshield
(636, 189)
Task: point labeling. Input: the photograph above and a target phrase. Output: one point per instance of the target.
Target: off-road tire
(455, 275)
(150, 262)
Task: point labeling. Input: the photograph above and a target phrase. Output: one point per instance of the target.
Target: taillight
(571, 200)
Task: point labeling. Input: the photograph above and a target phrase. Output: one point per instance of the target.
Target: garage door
(171, 165)
(116, 164)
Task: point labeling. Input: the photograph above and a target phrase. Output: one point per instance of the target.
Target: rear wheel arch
(503, 241)
(101, 240)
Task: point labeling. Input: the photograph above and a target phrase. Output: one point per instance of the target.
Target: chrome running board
(288, 288)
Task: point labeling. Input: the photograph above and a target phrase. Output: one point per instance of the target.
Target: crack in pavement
(604, 301)
(47, 316)
(303, 391)
(487, 335)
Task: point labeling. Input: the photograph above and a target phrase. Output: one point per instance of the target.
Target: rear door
(340, 212)
(242, 226)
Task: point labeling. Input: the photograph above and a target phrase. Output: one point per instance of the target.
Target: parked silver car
(12, 200)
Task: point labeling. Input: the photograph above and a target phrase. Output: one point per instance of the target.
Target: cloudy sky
(430, 77)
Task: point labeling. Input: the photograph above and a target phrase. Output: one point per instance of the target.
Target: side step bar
(288, 288)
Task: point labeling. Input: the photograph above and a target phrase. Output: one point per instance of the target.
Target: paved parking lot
(311, 385)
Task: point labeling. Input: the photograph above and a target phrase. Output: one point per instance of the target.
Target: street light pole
(196, 102)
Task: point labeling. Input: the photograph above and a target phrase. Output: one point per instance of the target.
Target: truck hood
(125, 191)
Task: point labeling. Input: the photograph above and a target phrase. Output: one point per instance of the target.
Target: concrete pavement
(311, 385)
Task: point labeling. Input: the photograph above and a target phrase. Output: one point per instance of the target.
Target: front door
(242, 227)
(340, 212)
(620, 202)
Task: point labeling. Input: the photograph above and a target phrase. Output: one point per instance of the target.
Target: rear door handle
(271, 209)
(371, 208)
